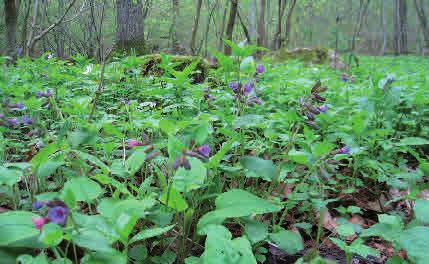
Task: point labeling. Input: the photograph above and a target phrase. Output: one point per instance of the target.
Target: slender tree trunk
(195, 27)
(383, 27)
(207, 31)
(363, 8)
(421, 14)
(261, 24)
(60, 36)
(130, 26)
(231, 23)
(278, 35)
(174, 26)
(245, 30)
(289, 21)
(253, 20)
(222, 29)
(400, 27)
(11, 18)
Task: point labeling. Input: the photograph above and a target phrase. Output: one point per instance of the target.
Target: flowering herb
(260, 69)
(58, 215)
(39, 222)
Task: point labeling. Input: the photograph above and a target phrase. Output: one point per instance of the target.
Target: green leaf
(235, 203)
(259, 168)
(173, 199)
(322, 148)
(138, 253)
(124, 225)
(389, 228)
(299, 156)
(219, 248)
(362, 250)
(201, 133)
(51, 235)
(92, 239)
(288, 241)
(175, 147)
(94, 160)
(9, 176)
(43, 155)
(48, 168)
(416, 242)
(148, 233)
(83, 189)
(112, 208)
(136, 160)
(255, 231)
(187, 180)
(114, 257)
(16, 226)
(413, 141)
(421, 211)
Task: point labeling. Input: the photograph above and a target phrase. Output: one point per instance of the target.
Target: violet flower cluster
(202, 152)
(309, 107)
(57, 212)
(145, 141)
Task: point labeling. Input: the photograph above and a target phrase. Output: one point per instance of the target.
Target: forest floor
(263, 162)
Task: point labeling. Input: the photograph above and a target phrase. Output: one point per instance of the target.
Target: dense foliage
(260, 162)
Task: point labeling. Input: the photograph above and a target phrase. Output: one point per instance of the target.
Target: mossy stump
(150, 66)
(308, 55)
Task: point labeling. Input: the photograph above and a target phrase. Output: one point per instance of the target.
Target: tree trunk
(245, 30)
(261, 24)
(195, 27)
(289, 21)
(222, 29)
(363, 8)
(400, 27)
(231, 23)
(175, 43)
(278, 35)
(253, 20)
(421, 14)
(130, 26)
(11, 19)
(60, 36)
(383, 27)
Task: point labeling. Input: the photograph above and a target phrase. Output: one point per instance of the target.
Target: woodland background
(68, 27)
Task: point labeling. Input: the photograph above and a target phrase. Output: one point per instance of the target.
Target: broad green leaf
(322, 148)
(173, 199)
(112, 208)
(259, 168)
(16, 226)
(148, 233)
(48, 168)
(111, 257)
(92, 239)
(94, 160)
(235, 203)
(138, 253)
(187, 180)
(299, 156)
(416, 242)
(43, 155)
(219, 248)
(136, 160)
(255, 231)
(421, 211)
(201, 133)
(8, 176)
(83, 189)
(288, 241)
(412, 141)
(51, 235)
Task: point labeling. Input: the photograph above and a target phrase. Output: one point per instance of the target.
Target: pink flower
(132, 143)
(39, 222)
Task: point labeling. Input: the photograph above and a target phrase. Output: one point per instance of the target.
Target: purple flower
(301, 100)
(344, 77)
(40, 94)
(345, 150)
(38, 204)
(1, 115)
(247, 88)
(323, 108)
(18, 106)
(26, 120)
(204, 150)
(234, 86)
(255, 100)
(132, 143)
(260, 69)
(181, 161)
(49, 93)
(58, 215)
(12, 121)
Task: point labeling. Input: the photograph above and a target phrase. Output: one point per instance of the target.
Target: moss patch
(150, 66)
(309, 55)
